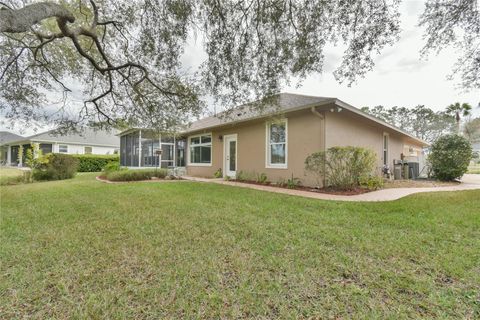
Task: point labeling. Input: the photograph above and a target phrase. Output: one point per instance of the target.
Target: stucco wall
(305, 135)
(346, 128)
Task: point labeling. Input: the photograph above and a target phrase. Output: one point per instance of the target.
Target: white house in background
(88, 142)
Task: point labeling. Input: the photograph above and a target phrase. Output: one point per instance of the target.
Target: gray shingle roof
(88, 136)
(6, 137)
(286, 102)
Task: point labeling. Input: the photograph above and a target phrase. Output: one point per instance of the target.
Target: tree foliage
(471, 130)
(122, 60)
(455, 23)
(420, 121)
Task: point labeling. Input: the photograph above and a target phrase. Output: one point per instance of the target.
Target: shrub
(218, 173)
(136, 175)
(341, 167)
(449, 157)
(112, 166)
(55, 166)
(262, 178)
(94, 162)
(371, 182)
(292, 183)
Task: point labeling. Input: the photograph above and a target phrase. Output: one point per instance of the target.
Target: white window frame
(189, 145)
(62, 145)
(268, 163)
(385, 151)
(85, 151)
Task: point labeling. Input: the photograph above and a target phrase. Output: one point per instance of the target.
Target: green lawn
(85, 249)
(10, 175)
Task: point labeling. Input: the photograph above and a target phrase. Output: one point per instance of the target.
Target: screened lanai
(140, 148)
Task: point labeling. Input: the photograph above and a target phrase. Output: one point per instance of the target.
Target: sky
(400, 76)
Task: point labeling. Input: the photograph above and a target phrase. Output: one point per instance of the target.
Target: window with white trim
(201, 149)
(88, 150)
(385, 149)
(277, 144)
(63, 148)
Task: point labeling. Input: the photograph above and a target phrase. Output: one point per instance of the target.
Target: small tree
(450, 156)
(32, 155)
(341, 167)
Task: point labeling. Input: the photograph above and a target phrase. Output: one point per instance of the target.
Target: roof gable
(6, 137)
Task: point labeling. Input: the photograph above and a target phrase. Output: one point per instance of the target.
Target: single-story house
(88, 142)
(274, 141)
(5, 138)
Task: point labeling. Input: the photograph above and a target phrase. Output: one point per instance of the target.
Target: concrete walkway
(469, 182)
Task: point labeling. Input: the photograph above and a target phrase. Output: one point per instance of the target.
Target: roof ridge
(253, 102)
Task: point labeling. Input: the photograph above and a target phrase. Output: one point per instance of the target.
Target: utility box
(413, 170)
(397, 171)
(405, 171)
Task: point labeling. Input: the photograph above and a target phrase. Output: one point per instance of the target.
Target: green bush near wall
(55, 166)
(94, 162)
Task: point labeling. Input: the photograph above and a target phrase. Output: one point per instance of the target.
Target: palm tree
(459, 110)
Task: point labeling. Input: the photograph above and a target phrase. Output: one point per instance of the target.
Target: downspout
(322, 117)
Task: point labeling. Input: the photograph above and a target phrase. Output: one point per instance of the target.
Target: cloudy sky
(400, 76)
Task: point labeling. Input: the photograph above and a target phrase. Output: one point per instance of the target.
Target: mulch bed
(310, 189)
(104, 179)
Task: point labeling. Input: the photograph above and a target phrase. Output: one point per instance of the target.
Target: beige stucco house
(274, 141)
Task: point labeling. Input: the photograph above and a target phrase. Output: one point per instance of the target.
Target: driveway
(469, 182)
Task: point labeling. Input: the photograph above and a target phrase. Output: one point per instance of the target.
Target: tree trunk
(21, 20)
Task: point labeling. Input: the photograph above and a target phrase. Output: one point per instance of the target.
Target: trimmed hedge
(95, 162)
(136, 175)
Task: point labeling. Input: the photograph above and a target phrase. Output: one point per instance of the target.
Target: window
(46, 148)
(277, 144)
(385, 149)
(63, 148)
(88, 150)
(201, 149)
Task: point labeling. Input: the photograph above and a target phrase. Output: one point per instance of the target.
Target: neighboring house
(275, 141)
(88, 142)
(476, 147)
(6, 137)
